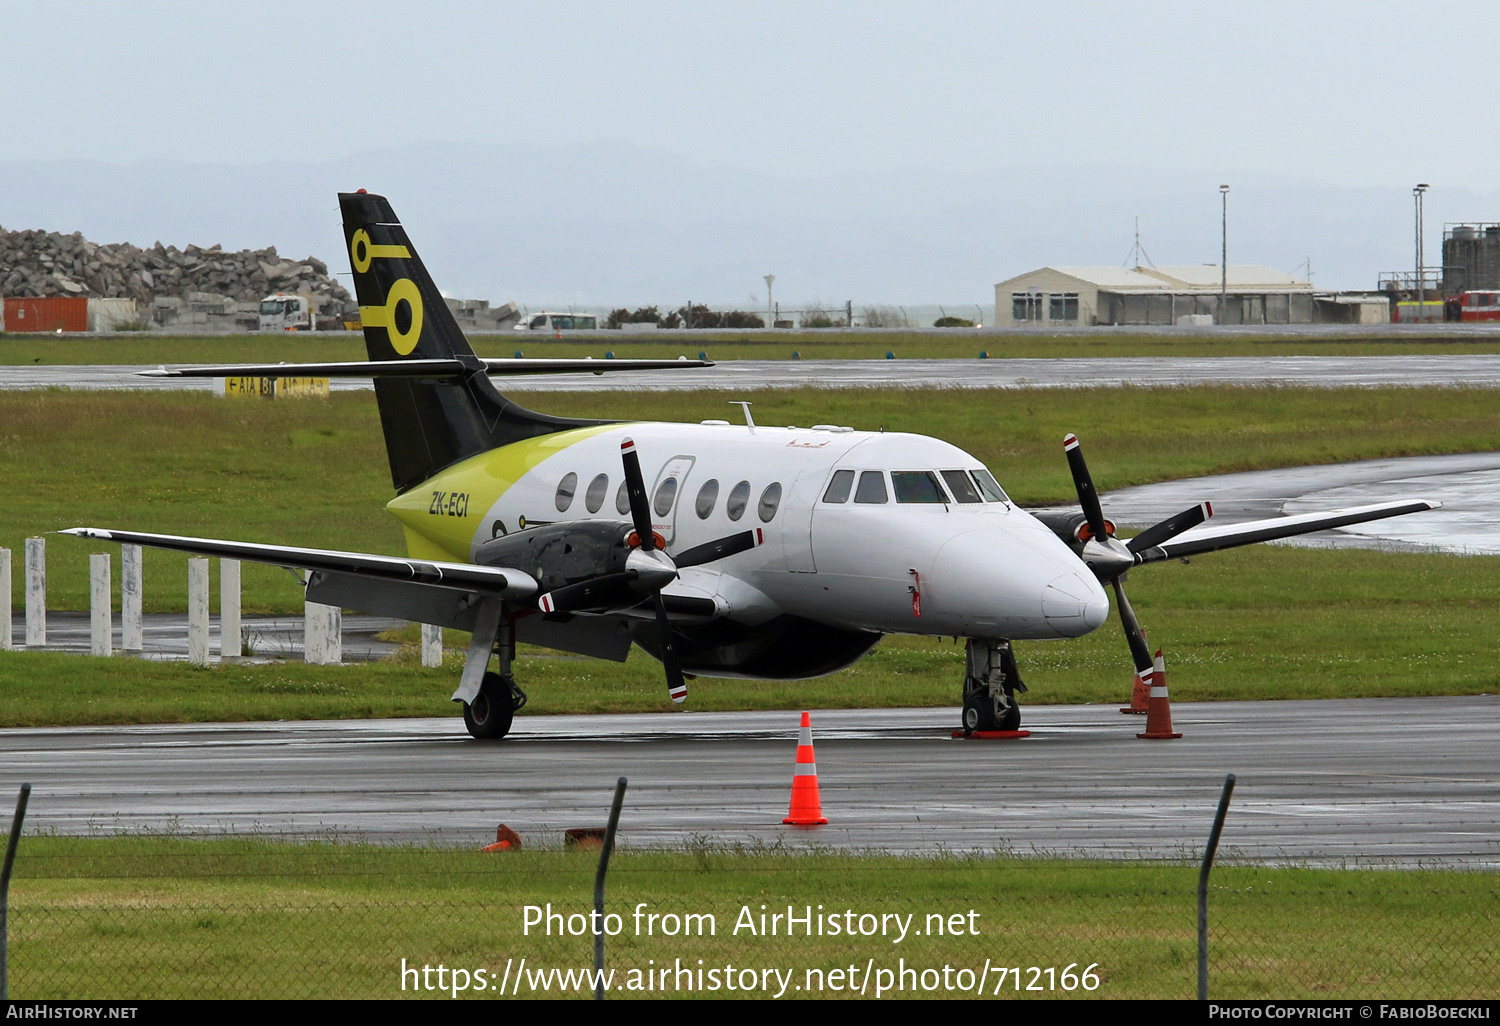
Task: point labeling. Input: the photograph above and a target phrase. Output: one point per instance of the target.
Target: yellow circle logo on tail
(359, 251)
(404, 291)
(362, 251)
(403, 325)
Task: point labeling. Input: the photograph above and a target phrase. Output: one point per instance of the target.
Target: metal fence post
(10, 860)
(609, 846)
(1208, 863)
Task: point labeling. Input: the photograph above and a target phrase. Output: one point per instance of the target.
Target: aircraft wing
(1228, 536)
(501, 582)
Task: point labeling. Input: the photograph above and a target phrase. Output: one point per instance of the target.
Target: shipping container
(47, 313)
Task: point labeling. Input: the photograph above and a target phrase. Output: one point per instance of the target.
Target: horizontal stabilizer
(505, 582)
(1228, 536)
(438, 368)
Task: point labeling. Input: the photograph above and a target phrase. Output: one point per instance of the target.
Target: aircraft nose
(1074, 604)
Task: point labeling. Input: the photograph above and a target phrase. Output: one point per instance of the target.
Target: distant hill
(618, 225)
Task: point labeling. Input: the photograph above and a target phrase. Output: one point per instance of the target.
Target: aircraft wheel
(980, 713)
(489, 716)
(1012, 718)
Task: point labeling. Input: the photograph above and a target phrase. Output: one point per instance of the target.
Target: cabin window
(769, 500)
(739, 498)
(989, 487)
(962, 488)
(566, 489)
(707, 496)
(622, 499)
(917, 486)
(598, 489)
(840, 487)
(871, 487)
(666, 492)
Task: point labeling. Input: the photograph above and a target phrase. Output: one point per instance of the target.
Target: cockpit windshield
(990, 487)
(917, 486)
(272, 306)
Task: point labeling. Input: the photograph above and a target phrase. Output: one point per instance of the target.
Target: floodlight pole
(1223, 252)
(770, 301)
(1416, 195)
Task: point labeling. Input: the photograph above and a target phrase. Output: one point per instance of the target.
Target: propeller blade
(606, 590)
(676, 683)
(1088, 498)
(718, 549)
(1140, 653)
(635, 487)
(1170, 527)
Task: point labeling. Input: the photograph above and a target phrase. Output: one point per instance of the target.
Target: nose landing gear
(991, 683)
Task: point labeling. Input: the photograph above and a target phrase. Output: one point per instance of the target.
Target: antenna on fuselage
(749, 420)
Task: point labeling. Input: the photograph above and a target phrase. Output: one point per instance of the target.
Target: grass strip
(315, 472)
(157, 917)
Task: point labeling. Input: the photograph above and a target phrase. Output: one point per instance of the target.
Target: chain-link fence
(173, 920)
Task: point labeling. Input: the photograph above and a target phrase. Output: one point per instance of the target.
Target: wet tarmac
(1374, 781)
(1478, 370)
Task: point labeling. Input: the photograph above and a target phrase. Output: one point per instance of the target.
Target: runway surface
(1383, 781)
(1467, 484)
(1478, 370)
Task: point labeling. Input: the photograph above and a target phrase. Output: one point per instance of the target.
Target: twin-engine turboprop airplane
(724, 550)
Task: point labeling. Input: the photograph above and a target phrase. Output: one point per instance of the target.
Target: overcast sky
(1365, 93)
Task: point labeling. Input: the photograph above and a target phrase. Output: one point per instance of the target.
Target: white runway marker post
(432, 645)
(36, 593)
(6, 641)
(101, 606)
(132, 635)
(231, 640)
(323, 638)
(198, 611)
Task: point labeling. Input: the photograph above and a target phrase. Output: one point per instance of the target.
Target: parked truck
(287, 312)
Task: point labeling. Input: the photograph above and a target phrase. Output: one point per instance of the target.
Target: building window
(1026, 306)
(1063, 306)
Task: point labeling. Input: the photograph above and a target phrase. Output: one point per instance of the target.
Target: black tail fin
(429, 423)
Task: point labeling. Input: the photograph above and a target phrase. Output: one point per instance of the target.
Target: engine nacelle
(560, 554)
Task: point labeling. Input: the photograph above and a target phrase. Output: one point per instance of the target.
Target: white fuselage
(943, 566)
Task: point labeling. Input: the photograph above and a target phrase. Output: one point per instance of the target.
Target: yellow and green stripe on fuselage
(442, 515)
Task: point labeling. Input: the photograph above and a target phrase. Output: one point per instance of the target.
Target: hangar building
(1071, 296)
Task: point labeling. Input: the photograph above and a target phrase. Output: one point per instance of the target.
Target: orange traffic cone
(807, 808)
(1159, 713)
(1140, 697)
(506, 839)
(1140, 694)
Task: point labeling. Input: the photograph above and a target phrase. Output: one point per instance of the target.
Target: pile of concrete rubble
(199, 287)
(37, 263)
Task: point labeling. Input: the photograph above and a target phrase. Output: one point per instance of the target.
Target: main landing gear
(991, 683)
(489, 716)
